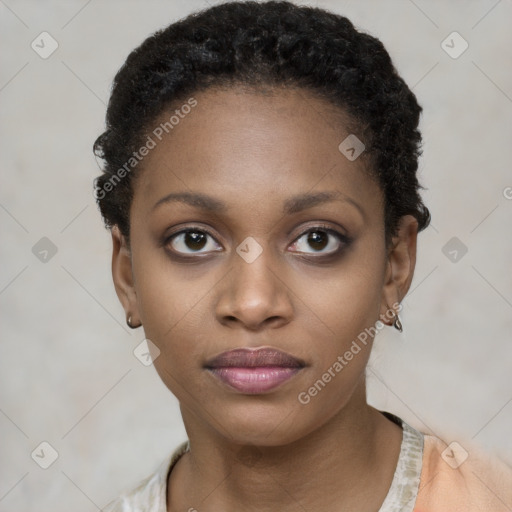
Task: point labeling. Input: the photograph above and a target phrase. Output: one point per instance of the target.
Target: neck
(343, 465)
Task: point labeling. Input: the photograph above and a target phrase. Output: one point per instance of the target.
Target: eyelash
(344, 242)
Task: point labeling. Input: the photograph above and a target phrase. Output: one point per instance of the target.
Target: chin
(264, 424)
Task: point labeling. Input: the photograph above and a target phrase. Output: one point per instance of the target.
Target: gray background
(69, 376)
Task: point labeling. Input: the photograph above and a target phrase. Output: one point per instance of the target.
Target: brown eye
(320, 240)
(192, 241)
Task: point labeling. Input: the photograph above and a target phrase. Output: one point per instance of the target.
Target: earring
(397, 324)
(129, 323)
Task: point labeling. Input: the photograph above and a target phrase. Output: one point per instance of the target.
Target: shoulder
(151, 493)
(456, 478)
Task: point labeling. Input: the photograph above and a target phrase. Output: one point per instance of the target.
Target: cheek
(339, 314)
(173, 311)
(166, 292)
(168, 299)
(345, 300)
(342, 343)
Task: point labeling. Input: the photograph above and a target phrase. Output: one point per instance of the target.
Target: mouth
(254, 371)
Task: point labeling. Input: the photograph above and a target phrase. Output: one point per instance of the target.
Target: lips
(254, 371)
(252, 358)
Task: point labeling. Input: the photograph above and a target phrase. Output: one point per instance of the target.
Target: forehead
(249, 146)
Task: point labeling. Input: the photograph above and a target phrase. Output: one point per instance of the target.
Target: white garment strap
(404, 488)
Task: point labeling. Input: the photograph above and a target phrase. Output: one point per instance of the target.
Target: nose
(254, 297)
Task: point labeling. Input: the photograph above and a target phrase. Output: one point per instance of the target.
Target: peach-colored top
(430, 476)
(457, 479)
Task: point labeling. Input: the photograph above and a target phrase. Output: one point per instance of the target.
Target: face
(250, 229)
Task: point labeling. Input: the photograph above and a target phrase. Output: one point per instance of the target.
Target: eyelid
(320, 225)
(192, 227)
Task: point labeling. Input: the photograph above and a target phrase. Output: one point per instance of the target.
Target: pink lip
(254, 371)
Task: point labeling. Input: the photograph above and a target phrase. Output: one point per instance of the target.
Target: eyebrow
(308, 200)
(201, 201)
(292, 205)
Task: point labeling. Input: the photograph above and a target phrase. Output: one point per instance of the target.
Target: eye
(192, 241)
(321, 240)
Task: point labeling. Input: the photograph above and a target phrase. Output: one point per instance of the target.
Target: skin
(253, 151)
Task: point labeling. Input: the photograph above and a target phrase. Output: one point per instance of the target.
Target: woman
(260, 186)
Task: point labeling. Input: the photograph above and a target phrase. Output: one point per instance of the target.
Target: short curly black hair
(261, 44)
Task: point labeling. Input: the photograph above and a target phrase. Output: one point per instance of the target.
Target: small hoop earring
(129, 323)
(397, 324)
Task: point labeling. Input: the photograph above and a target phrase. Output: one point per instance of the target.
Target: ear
(401, 261)
(123, 276)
